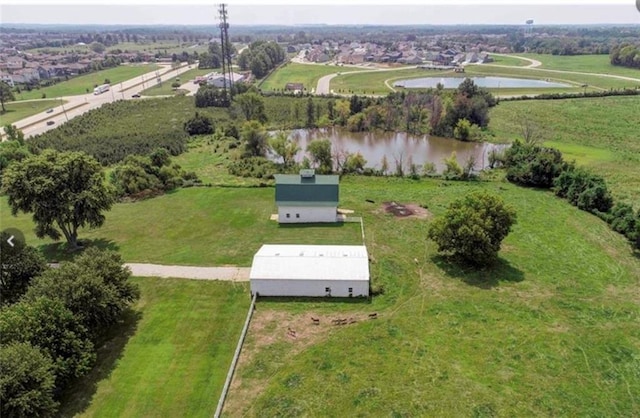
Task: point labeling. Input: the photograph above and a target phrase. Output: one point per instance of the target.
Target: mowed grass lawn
(505, 60)
(170, 358)
(372, 82)
(80, 84)
(599, 82)
(583, 63)
(599, 132)
(197, 226)
(306, 74)
(17, 111)
(552, 330)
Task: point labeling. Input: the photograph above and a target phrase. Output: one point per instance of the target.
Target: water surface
(487, 82)
(399, 148)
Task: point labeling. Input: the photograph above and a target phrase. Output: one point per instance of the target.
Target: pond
(398, 148)
(487, 82)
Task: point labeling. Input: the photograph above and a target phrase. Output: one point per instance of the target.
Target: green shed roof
(292, 189)
(315, 179)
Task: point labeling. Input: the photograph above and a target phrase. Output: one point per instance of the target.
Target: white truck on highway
(101, 89)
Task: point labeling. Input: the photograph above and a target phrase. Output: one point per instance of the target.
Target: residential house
(295, 87)
(7, 78)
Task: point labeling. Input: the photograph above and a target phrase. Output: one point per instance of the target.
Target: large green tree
(254, 137)
(6, 95)
(252, 106)
(49, 325)
(19, 265)
(63, 191)
(27, 382)
(473, 228)
(95, 287)
(320, 151)
(281, 145)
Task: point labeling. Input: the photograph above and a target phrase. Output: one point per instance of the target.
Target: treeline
(51, 321)
(261, 57)
(462, 113)
(626, 55)
(532, 165)
(586, 94)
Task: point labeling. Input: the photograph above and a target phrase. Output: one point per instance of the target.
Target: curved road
(324, 82)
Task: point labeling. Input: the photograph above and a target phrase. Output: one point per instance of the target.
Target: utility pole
(63, 109)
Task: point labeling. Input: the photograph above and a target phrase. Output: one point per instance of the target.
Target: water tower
(528, 28)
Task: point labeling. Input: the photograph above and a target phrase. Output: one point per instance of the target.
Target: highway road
(77, 105)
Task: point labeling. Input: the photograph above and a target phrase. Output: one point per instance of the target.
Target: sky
(282, 12)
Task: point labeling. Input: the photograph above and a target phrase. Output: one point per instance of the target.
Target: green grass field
(602, 83)
(182, 238)
(80, 84)
(20, 110)
(372, 82)
(306, 74)
(502, 60)
(171, 355)
(551, 330)
(598, 132)
(583, 63)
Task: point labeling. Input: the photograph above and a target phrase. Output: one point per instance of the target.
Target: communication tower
(225, 45)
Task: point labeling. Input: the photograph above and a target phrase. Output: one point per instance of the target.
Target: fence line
(232, 368)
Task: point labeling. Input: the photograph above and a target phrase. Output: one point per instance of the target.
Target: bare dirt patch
(406, 210)
(296, 330)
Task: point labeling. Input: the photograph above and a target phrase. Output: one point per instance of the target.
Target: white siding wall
(315, 288)
(305, 214)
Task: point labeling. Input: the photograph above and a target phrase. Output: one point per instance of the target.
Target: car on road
(50, 122)
(50, 110)
(135, 96)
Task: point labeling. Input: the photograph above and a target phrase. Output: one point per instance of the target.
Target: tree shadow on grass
(58, 251)
(77, 397)
(483, 277)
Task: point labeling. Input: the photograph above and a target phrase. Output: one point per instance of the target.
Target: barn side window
(297, 215)
(288, 216)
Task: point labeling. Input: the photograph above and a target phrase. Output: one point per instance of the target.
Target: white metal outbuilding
(311, 270)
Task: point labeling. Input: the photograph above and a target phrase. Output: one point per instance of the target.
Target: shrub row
(558, 96)
(535, 166)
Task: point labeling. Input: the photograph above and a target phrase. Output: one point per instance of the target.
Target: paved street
(229, 273)
(77, 105)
